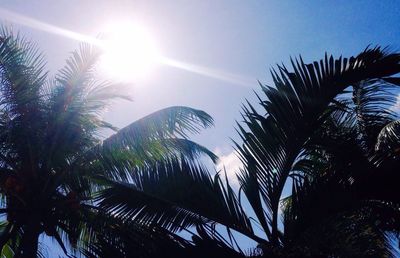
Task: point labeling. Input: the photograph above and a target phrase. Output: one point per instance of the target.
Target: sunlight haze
(209, 55)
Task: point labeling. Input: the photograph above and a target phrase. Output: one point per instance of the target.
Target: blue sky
(242, 38)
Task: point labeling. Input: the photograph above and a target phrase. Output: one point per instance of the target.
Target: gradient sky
(239, 38)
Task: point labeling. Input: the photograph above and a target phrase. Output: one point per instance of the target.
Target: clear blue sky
(244, 38)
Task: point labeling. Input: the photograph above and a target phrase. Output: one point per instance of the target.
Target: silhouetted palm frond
(175, 195)
(296, 107)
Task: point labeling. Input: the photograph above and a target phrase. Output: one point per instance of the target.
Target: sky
(239, 40)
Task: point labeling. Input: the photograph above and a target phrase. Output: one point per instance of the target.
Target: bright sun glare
(130, 52)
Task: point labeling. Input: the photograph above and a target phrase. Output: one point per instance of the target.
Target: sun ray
(39, 25)
(153, 58)
(209, 72)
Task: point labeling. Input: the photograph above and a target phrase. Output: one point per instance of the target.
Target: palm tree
(52, 156)
(320, 135)
(329, 132)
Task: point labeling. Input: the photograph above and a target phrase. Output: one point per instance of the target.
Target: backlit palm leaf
(297, 106)
(175, 195)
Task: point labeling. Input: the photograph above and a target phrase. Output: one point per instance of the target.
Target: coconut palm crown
(52, 154)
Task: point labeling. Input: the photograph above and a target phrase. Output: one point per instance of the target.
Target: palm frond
(373, 101)
(165, 123)
(297, 105)
(154, 138)
(21, 78)
(103, 235)
(22, 74)
(388, 139)
(175, 195)
(76, 101)
(120, 164)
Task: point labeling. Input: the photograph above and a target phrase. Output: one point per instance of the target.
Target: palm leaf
(76, 101)
(165, 123)
(297, 105)
(153, 138)
(175, 195)
(21, 77)
(373, 101)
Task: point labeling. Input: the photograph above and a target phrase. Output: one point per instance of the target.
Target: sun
(130, 52)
